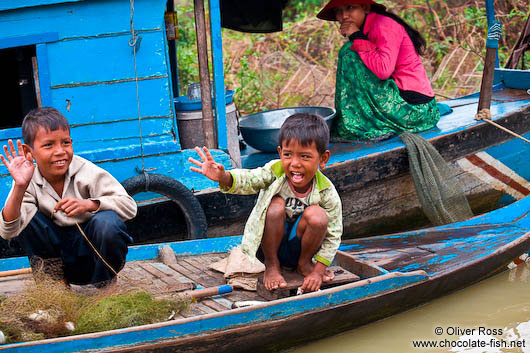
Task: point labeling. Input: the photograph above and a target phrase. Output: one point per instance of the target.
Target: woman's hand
(348, 28)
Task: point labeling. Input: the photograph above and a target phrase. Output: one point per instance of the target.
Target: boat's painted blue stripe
(279, 311)
(513, 78)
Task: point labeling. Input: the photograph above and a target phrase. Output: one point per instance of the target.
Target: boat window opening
(18, 84)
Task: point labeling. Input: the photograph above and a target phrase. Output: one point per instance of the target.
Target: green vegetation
(297, 66)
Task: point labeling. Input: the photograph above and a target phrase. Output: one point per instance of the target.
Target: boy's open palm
(208, 167)
(20, 167)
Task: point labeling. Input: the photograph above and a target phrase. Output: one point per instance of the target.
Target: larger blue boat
(108, 66)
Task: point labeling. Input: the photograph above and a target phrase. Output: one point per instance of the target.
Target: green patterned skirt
(369, 108)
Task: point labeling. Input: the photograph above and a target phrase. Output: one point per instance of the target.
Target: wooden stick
(21, 271)
(208, 122)
(506, 130)
(207, 292)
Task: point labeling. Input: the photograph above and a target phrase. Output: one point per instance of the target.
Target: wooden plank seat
(295, 280)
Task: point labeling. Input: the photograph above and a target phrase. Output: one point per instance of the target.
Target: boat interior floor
(433, 251)
(193, 272)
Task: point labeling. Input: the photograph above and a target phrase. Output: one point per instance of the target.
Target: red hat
(328, 13)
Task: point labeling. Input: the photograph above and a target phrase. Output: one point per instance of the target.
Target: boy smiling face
(53, 152)
(300, 163)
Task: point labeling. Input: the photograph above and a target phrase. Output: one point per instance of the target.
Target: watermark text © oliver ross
(465, 337)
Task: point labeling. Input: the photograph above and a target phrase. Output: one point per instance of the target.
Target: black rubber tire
(177, 192)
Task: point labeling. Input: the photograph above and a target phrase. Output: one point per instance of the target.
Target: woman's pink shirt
(389, 52)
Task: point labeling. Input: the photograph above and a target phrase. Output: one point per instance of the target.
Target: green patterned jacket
(267, 180)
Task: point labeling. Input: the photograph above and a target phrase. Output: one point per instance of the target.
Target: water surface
(492, 313)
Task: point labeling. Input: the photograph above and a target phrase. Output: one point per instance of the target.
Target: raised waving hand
(19, 164)
(208, 167)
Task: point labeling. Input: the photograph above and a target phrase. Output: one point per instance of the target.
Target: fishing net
(440, 194)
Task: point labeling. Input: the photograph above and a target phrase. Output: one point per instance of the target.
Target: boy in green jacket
(298, 214)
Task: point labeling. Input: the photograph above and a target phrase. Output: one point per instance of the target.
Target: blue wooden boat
(396, 272)
(113, 77)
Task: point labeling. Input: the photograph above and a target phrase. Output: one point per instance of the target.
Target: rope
(95, 250)
(133, 42)
(485, 115)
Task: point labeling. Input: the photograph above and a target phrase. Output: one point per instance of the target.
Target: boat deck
(504, 101)
(189, 272)
(158, 278)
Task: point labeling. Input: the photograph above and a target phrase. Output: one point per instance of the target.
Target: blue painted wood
(107, 59)
(10, 42)
(83, 19)
(190, 247)
(174, 74)
(513, 78)
(115, 101)
(218, 73)
(43, 64)
(490, 11)
(123, 129)
(11, 5)
(11, 133)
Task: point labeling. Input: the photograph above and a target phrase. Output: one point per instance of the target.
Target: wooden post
(208, 122)
(484, 100)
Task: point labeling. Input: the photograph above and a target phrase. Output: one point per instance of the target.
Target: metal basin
(261, 130)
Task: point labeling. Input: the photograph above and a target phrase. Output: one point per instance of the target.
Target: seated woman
(382, 88)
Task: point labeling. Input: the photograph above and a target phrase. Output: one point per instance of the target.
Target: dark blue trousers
(106, 232)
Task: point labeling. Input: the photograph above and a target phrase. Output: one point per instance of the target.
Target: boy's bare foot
(307, 269)
(273, 279)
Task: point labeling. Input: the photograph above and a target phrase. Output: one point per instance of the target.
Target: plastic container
(182, 103)
(189, 119)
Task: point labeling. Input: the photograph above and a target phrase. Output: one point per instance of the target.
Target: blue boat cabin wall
(86, 69)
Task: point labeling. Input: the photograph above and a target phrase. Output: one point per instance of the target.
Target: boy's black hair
(305, 128)
(48, 118)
